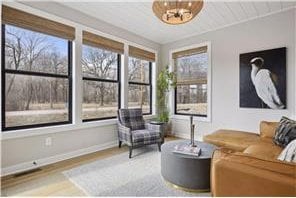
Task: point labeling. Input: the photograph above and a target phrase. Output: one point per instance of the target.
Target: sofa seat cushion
(247, 159)
(231, 139)
(264, 150)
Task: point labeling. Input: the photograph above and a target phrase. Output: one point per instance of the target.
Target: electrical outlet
(48, 141)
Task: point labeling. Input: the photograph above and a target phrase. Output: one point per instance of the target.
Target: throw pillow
(285, 132)
(289, 153)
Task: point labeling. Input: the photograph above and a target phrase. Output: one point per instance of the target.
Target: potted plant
(165, 82)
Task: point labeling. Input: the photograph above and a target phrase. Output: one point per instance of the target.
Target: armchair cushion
(132, 118)
(145, 136)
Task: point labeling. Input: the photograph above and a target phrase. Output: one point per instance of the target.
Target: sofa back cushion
(231, 139)
(285, 132)
(267, 129)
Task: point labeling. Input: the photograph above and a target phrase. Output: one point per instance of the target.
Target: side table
(162, 126)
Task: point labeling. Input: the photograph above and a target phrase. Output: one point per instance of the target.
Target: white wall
(277, 30)
(295, 61)
(21, 148)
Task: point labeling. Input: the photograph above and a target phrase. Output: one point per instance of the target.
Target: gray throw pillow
(285, 132)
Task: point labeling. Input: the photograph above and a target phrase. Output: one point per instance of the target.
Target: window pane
(32, 51)
(138, 70)
(99, 63)
(191, 68)
(35, 100)
(139, 97)
(192, 99)
(191, 91)
(100, 99)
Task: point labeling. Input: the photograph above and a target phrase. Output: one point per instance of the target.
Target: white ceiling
(138, 17)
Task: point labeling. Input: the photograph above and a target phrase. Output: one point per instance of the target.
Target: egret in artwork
(264, 81)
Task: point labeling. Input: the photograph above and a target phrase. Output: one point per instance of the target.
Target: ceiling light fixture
(176, 12)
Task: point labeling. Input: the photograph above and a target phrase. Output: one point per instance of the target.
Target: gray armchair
(133, 130)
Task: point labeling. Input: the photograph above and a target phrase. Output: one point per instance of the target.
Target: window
(139, 79)
(101, 98)
(139, 93)
(36, 79)
(191, 94)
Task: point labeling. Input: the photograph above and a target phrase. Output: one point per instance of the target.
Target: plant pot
(167, 128)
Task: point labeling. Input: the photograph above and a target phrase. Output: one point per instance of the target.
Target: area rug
(120, 176)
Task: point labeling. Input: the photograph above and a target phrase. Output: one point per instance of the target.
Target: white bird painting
(264, 81)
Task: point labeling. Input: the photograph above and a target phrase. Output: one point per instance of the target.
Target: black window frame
(117, 81)
(5, 71)
(185, 114)
(145, 84)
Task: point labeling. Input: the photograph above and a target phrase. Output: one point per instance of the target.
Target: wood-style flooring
(50, 181)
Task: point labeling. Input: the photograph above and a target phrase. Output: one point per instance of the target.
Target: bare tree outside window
(139, 72)
(36, 78)
(100, 83)
(191, 90)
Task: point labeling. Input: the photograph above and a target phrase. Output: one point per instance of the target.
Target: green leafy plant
(165, 82)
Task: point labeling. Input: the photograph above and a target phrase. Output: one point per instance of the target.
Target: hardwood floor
(50, 181)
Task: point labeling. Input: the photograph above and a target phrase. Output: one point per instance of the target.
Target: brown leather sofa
(246, 164)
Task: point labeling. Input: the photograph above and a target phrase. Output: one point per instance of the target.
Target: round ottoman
(188, 172)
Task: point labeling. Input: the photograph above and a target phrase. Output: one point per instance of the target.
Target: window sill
(60, 128)
(195, 118)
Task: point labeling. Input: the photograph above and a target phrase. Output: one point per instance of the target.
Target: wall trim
(56, 158)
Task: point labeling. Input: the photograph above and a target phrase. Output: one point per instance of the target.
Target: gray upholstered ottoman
(187, 172)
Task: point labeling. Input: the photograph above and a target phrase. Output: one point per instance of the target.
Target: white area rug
(121, 176)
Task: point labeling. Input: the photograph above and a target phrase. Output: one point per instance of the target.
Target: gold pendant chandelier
(176, 12)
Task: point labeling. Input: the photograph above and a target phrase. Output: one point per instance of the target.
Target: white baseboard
(185, 136)
(53, 159)
(181, 135)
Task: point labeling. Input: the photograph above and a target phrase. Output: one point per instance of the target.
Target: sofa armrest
(238, 174)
